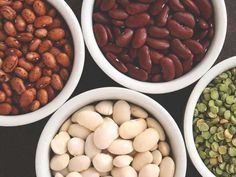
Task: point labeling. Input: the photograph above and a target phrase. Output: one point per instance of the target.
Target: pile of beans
(153, 40)
(36, 54)
(215, 125)
(111, 138)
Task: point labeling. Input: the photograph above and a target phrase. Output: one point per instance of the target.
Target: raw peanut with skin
(139, 39)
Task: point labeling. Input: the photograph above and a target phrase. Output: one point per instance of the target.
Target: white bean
(105, 108)
(88, 119)
(59, 143)
(124, 172)
(91, 172)
(164, 148)
(105, 134)
(58, 175)
(59, 162)
(131, 128)
(103, 162)
(76, 146)
(64, 172)
(85, 108)
(79, 163)
(141, 159)
(139, 112)
(74, 174)
(121, 112)
(152, 123)
(121, 147)
(167, 167)
(154, 147)
(79, 131)
(157, 157)
(66, 125)
(150, 170)
(90, 149)
(146, 140)
(122, 161)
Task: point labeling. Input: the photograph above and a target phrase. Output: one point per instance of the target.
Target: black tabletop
(18, 144)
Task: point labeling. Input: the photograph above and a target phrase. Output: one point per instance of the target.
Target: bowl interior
(188, 117)
(171, 129)
(156, 88)
(79, 55)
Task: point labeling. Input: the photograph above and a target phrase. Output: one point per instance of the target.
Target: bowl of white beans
(111, 132)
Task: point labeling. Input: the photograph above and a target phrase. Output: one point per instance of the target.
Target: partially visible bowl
(189, 112)
(110, 93)
(156, 88)
(78, 64)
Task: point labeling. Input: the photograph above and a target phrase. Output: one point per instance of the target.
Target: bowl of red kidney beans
(154, 46)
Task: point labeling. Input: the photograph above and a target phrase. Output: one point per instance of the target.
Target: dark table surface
(18, 144)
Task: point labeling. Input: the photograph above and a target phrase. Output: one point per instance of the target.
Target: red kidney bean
(192, 7)
(176, 5)
(180, 49)
(194, 46)
(185, 18)
(178, 65)
(158, 43)
(118, 23)
(158, 32)
(162, 18)
(135, 8)
(156, 78)
(138, 21)
(124, 38)
(137, 73)
(144, 59)
(140, 37)
(136, 36)
(168, 69)
(157, 7)
(100, 34)
(118, 14)
(179, 31)
(116, 62)
(155, 56)
(187, 65)
(107, 5)
(112, 48)
(205, 8)
(203, 24)
(100, 17)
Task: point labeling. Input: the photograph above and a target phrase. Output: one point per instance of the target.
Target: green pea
(214, 95)
(230, 99)
(214, 109)
(199, 139)
(211, 103)
(222, 150)
(234, 142)
(202, 154)
(213, 154)
(215, 146)
(213, 130)
(232, 151)
(219, 171)
(201, 107)
(233, 107)
(203, 127)
(218, 103)
(227, 114)
(206, 135)
(207, 96)
(223, 76)
(223, 88)
(233, 120)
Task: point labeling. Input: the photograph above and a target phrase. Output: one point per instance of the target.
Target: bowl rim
(78, 64)
(110, 93)
(148, 87)
(189, 111)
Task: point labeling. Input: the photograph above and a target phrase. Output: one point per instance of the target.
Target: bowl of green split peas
(210, 122)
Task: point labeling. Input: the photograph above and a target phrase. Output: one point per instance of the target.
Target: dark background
(18, 144)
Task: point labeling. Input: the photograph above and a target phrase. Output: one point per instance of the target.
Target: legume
(215, 125)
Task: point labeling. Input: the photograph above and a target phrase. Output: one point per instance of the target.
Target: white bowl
(188, 117)
(148, 87)
(78, 64)
(110, 93)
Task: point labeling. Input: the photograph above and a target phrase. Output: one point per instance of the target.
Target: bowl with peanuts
(154, 46)
(41, 59)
